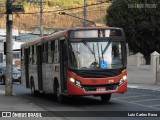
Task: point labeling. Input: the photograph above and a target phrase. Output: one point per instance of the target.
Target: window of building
(16, 55)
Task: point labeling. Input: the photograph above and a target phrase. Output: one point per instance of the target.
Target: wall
(138, 72)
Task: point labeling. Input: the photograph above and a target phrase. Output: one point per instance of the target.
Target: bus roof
(64, 33)
(45, 38)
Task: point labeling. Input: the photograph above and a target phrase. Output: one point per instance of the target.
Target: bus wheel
(105, 98)
(60, 97)
(33, 91)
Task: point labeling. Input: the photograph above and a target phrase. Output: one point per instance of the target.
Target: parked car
(16, 75)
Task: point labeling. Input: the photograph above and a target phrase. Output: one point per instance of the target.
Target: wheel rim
(32, 87)
(59, 96)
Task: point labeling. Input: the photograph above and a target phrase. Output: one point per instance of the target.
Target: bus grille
(93, 88)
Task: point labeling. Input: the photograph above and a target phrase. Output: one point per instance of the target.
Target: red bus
(76, 62)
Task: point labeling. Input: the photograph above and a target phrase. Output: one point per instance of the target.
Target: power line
(107, 1)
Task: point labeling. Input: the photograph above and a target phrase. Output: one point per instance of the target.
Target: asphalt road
(135, 102)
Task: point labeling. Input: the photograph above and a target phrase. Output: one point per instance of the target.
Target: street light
(63, 13)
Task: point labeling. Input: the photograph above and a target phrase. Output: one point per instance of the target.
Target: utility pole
(9, 45)
(41, 19)
(85, 13)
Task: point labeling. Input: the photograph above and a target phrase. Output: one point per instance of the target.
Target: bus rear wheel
(60, 97)
(105, 98)
(57, 93)
(33, 91)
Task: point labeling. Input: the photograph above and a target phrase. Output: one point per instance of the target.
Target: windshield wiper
(85, 43)
(102, 53)
(105, 49)
(92, 51)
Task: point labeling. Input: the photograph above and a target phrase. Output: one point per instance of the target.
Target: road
(134, 101)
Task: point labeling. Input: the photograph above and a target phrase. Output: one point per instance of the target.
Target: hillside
(96, 11)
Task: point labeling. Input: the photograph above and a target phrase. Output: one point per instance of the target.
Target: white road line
(155, 105)
(134, 96)
(137, 104)
(132, 86)
(146, 100)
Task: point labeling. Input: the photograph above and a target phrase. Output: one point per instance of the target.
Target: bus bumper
(96, 90)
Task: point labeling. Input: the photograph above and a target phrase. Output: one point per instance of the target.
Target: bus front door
(63, 54)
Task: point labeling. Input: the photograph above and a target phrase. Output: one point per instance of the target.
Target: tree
(140, 20)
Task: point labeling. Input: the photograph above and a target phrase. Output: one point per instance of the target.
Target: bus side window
(52, 45)
(49, 52)
(52, 50)
(56, 52)
(34, 55)
(45, 52)
(56, 44)
(30, 54)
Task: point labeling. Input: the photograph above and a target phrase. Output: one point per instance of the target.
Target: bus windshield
(87, 55)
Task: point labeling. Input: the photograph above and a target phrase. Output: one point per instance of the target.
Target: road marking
(132, 86)
(155, 105)
(134, 96)
(146, 100)
(136, 104)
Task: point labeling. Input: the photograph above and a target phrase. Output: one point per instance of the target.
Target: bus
(76, 62)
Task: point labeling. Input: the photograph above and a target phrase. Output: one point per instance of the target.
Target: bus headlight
(72, 80)
(76, 82)
(121, 81)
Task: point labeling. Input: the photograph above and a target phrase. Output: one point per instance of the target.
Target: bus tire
(33, 91)
(57, 93)
(105, 98)
(60, 97)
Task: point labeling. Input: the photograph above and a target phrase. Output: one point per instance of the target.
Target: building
(18, 39)
(16, 48)
(16, 52)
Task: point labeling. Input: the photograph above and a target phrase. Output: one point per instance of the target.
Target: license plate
(101, 89)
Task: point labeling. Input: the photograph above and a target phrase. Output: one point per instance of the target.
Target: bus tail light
(121, 81)
(76, 82)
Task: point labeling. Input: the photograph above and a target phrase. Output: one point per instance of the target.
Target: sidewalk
(18, 107)
(154, 87)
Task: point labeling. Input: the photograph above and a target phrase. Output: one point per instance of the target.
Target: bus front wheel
(105, 98)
